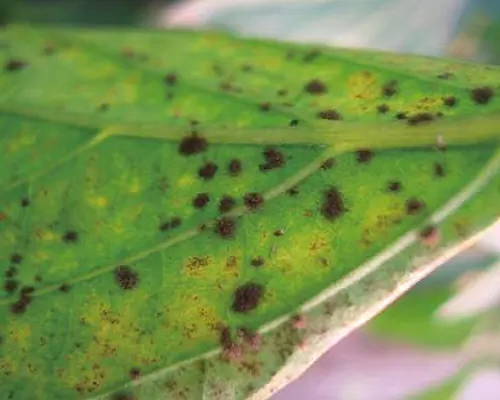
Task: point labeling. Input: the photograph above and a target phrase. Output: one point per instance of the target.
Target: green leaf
(127, 273)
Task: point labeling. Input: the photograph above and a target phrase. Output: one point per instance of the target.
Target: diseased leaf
(167, 193)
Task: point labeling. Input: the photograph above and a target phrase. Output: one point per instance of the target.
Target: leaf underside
(121, 262)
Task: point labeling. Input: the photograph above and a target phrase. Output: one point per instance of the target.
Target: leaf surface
(162, 190)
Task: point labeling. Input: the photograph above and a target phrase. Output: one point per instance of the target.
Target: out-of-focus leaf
(159, 187)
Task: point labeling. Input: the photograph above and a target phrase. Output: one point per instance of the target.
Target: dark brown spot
(10, 285)
(126, 278)
(414, 206)
(207, 171)
(294, 122)
(175, 222)
(192, 144)
(449, 101)
(25, 202)
(247, 297)
(201, 200)
(333, 204)
(394, 186)
(253, 200)
(293, 191)
(225, 227)
(226, 204)
(332, 115)
(234, 167)
(420, 118)
(482, 95)
(171, 79)
(328, 164)
(10, 272)
(27, 290)
(134, 373)
(279, 232)
(390, 88)
(315, 86)
(383, 108)
(16, 258)
(123, 396)
(364, 156)
(15, 64)
(401, 115)
(258, 261)
(445, 75)
(170, 224)
(265, 106)
(274, 159)
(70, 237)
(439, 170)
(65, 288)
(429, 235)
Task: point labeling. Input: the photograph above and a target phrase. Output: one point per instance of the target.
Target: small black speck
(65, 288)
(15, 64)
(70, 237)
(315, 86)
(201, 200)
(328, 164)
(265, 106)
(414, 206)
(134, 373)
(171, 79)
(258, 261)
(10, 285)
(274, 159)
(364, 156)
(225, 227)
(293, 191)
(401, 115)
(279, 232)
(294, 122)
(394, 186)
(25, 202)
(16, 258)
(253, 200)
(126, 278)
(192, 144)
(234, 167)
(390, 88)
(226, 204)
(420, 118)
(208, 171)
(439, 170)
(330, 114)
(450, 101)
(383, 108)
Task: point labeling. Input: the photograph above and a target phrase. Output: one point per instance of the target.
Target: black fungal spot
(10, 272)
(450, 101)
(25, 202)
(10, 285)
(394, 186)
(414, 206)
(446, 76)
(201, 200)
(258, 261)
(226, 204)
(70, 237)
(208, 171)
(134, 373)
(315, 86)
(15, 64)
(401, 115)
(123, 396)
(390, 88)
(27, 290)
(364, 156)
(333, 204)
(328, 164)
(383, 108)
(65, 288)
(279, 232)
(294, 122)
(332, 115)
(234, 167)
(265, 106)
(126, 278)
(420, 118)
(20, 306)
(225, 227)
(247, 297)
(293, 191)
(439, 170)
(192, 144)
(482, 95)
(16, 258)
(274, 159)
(253, 200)
(171, 79)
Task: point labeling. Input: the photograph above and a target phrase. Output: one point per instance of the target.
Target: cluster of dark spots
(330, 114)
(401, 115)
(414, 206)
(10, 285)
(65, 288)
(265, 106)
(134, 373)
(446, 75)
(258, 261)
(15, 64)
(482, 95)
(208, 170)
(174, 222)
(126, 277)
(247, 297)
(225, 227)
(279, 232)
(253, 200)
(315, 86)
(25, 202)
(226, 204)
(333, 205)
(294, 122)
(328, 164)
(394, 186)
(293, 191)
(383, 108)
(364, 156)
(171, 79)
(201, 200)
(390, 88)
(192, 144)
(439, 170)
(234, 167)
(282, 92)
(16, 258)
(273, 159)
(25, 299)
(449, 101)
(420, 118)
(70, 237)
